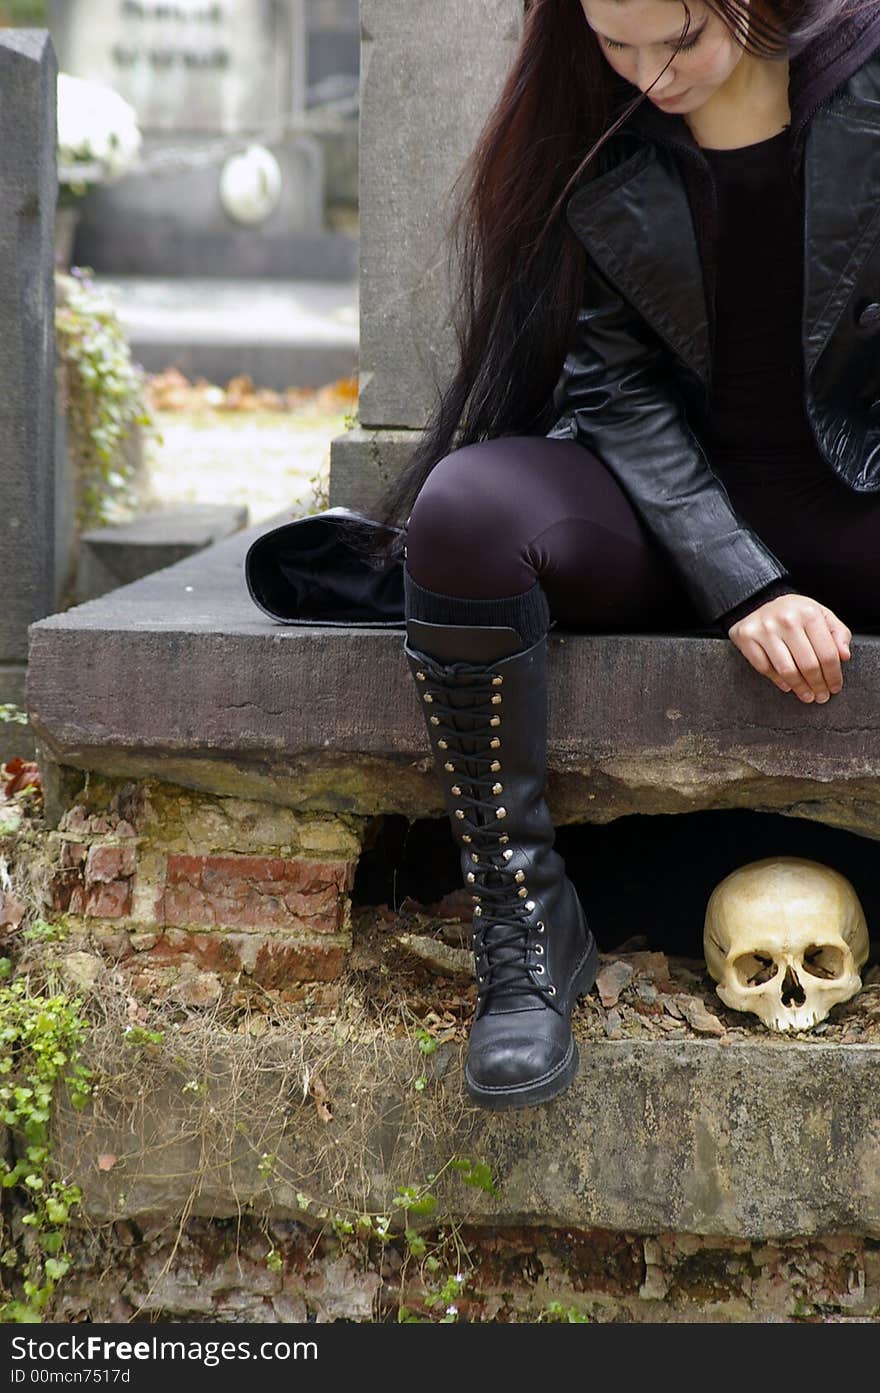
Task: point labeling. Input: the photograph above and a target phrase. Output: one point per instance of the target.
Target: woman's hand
(797, 643)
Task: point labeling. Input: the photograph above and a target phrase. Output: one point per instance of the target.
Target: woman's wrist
(782, 586)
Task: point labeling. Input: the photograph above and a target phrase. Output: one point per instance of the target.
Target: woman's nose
(647, 70)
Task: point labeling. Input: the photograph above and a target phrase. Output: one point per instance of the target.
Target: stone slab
(15, 739)
(364, 462)
(429, 74)
(171, 222)
(180, 675)
(280, 333)
(28, 187)
(769, 1138)
(114, 556)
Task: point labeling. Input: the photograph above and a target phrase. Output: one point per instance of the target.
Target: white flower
(95, 125)
(452, 1310)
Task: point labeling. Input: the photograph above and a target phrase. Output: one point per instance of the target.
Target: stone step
(117, 555)
(284, 333)
(181, 673)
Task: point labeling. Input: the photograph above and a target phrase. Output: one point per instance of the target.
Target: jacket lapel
(841, 207)
(654, 262)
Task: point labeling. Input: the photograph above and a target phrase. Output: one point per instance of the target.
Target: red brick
(109, 901)
(108, 863)
(62, 889)
(279, 962)
(73, 853)
(256, 892)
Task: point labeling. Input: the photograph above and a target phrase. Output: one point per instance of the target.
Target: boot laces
(502, 929)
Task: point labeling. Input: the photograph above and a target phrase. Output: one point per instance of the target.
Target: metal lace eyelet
(459, 812)
(539, 948)
(442, 744)
(496, 681)
(449, 767)
(530, 905)
(495, 765)
(501, 812)
(540, 926)
(478, 911)
(494, 743)
(497, 788)
(474, 856)
(494, 720)
(456, 789)
(421, 676)
(551, 991)
(538, 969)
(465, 837)
(507, 854)
(504, 838)
(520, 875)
(523, 892)
(435, 720)
(470, 877)
(497, 699)
(427, 697)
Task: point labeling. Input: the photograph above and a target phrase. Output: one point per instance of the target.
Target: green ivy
(104, 392)
(40, 1038)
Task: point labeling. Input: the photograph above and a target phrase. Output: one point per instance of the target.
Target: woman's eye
(682, 48)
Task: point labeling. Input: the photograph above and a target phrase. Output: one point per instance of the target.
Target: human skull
(784, 939)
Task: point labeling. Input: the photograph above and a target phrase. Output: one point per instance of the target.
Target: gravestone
(199, 72)
(28, 561)
(430, 70)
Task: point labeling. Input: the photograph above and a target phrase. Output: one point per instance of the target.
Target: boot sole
(549, 1086)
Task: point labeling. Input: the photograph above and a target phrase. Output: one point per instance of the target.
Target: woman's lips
(670, 101)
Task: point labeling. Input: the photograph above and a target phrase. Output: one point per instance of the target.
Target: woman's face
(638, 38)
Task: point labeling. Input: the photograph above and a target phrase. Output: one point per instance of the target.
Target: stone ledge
(764, 1139)
(179, 676)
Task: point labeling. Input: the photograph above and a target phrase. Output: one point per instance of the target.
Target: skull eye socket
(754, 969)
(824, 960)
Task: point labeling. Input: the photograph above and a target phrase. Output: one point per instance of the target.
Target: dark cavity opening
(649, 876)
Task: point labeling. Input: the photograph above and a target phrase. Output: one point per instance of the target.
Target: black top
(758, 421)
(757, 426)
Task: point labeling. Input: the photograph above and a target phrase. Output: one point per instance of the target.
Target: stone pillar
(27, 358)
(430, 71)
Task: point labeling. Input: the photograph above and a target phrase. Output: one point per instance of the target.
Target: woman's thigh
(494, 517)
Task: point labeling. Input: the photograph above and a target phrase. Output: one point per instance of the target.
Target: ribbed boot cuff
(528, 613)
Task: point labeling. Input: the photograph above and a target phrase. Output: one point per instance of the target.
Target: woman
(674, 200)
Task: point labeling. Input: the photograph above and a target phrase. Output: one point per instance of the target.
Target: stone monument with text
(201, 76)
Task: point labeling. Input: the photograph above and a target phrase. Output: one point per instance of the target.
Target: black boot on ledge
(484, 700)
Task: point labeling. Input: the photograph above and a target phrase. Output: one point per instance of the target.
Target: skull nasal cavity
(793, 993)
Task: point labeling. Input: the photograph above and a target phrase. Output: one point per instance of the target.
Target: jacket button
(869, 317)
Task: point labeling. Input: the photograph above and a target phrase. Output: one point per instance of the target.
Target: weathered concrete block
(196, 686)
(114, 556)
(363, 463)
(760, 1139)
(429, 74)
(28, 189)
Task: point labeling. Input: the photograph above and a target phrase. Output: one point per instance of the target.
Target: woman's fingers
(753, 652)
(841, 634)
(823, 644)
(797, 643)
(794, 660)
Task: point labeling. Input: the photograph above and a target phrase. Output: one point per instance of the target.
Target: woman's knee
(465, 505)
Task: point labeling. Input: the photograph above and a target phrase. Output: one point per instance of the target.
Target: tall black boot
(484, 699)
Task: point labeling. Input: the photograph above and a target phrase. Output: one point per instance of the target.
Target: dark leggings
(494, 517)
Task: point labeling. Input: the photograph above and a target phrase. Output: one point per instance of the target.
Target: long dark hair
(517, 266)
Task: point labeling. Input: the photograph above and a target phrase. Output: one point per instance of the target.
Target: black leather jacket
(635, 384)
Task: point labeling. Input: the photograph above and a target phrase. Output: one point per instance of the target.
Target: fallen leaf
(319, 1092)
